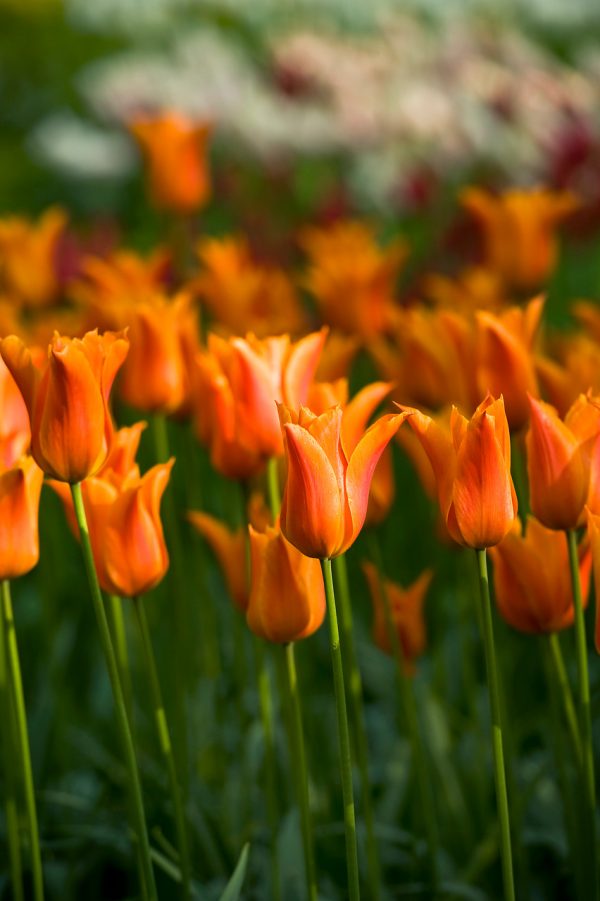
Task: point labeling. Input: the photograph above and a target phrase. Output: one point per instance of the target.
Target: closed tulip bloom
(505, 361)
(327, 487)
(20, 488)
(29, 258)
(406, 608)
(287, 594)
(175, 152)
(559, 460)
(163, 337)
(67, 400)
(471, 462)
(531, 579)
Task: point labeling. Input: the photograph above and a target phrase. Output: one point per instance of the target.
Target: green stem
(181, 633)
(166, 747)
(409, 707)
(358, 716)
(16, 686)
(117, 623)
(266, 713)
(343, 736)
(585, 716)
(300, 770)
(273, 487)
(497, 745)
(149, 888)
(560, 673)
(10, 773)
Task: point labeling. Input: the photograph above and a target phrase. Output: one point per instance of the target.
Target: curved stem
(149, 888)
(585, 715)
(358, 716)
(10, 772)
(343, 736)
(300, 770)
(497, 743)
(560, 673)
(16, 685)
(409, 707)
(166, 748)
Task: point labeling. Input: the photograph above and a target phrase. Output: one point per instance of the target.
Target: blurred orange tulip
(531, 579)
(29, 257)
(328, 481)
(157, 373)
(505, 363)
(475, 288)
(240, 381)
(175, 150)
(67, 400)
(20, 488)
(559, 460)
(352, 279)
(471, 462)
(15, 433)
(287, 594)
(406, 608)
(230, 548)
(519, 230)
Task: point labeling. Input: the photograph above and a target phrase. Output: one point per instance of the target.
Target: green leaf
(234, 886)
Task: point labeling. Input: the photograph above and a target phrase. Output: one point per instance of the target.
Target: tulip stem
(585, 716)
(357, 710)
(265, 696)
(497, 743)
(117, 622)
(9, 637)
(10, 767)
(343, 736)
(562, 680)
(148, 887)
(407, 699)
(300, 770)
(164, 737)
(273, 487)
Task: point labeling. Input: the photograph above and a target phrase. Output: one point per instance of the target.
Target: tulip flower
(406, 608)
(505, 363)
(471, 462)
(67, 400)
(15, 433)
(20, 488)
(519, 232)
(352, 279)
(327, 487)
(475, 288)
(175, 152)
(239, 382)
(559, 461)
(287, 595)
(163, 337)
(29, 257)
(244, 295)
(531, 579)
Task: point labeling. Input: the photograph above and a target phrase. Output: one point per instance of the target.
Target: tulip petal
(301, 367)
(438, 445)
(358, 412)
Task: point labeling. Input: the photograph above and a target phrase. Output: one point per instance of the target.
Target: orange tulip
(244, 295)
(559, 461)
(505, 359)
(28, 257)
(406, 608)
(15, 434)
(475, 288)
(519, 232)
(240, 381)
(594, 538)
(67, 400)
(20, 488)
(471, 462)
(164, 342)
(327, 487)
(175, 152)
(574, 370)
(287, 594)
(531, 579)
(352, 279)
